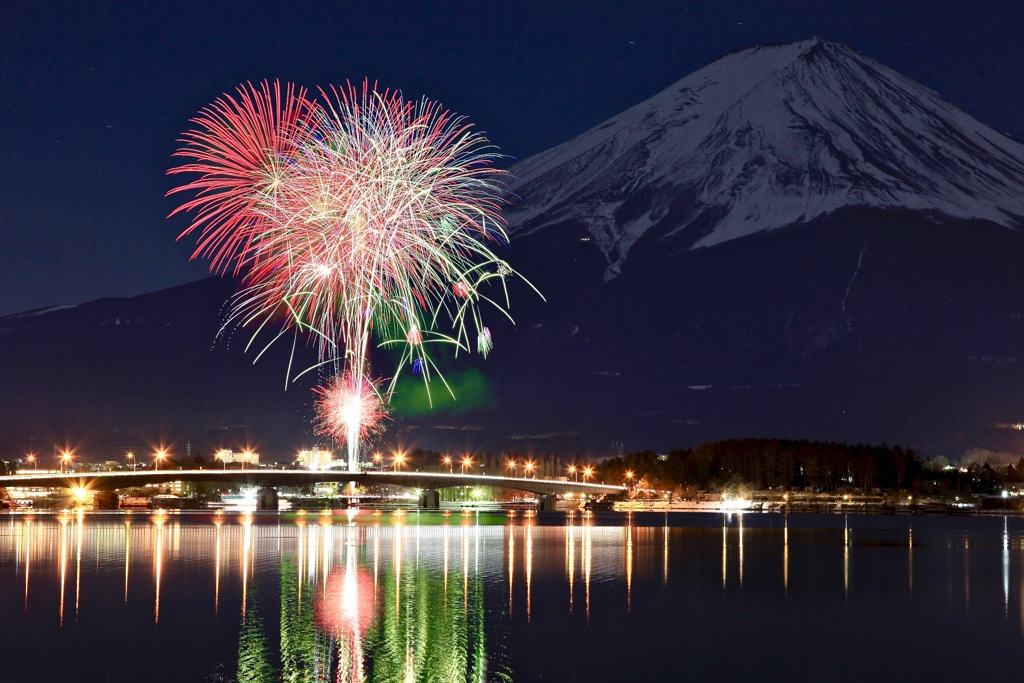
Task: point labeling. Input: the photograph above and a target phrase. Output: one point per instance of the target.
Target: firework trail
(352, 216)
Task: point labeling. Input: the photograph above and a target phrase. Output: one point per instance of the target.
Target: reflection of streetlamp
(573, 472)
(131, 456)
(447, 460)
(467, 461)
(529, 469)
(512, 465)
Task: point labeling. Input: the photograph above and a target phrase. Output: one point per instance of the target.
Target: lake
(509, 596)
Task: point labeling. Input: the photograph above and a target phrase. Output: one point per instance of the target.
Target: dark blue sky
(94, 94)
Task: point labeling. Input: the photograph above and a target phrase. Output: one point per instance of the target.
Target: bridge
(267, 479)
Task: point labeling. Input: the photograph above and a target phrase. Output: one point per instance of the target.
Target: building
(316, 459)
(227, 456)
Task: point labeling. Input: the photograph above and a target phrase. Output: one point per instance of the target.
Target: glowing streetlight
(588, 472)
(629, 477)
(399, 459)
(32, 459)
(529, 469)
(467, 461)
(160, 455)
(245, 457)
(447, 460)
(575, 473)
(131, 456)
(512, 465)
(378, 459)
(65, 461)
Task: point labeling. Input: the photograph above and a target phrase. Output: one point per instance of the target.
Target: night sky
(95, 94)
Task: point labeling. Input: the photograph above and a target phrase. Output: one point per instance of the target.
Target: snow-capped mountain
(765, 138)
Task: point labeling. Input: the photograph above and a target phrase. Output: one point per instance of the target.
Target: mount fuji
(766, 138)
(794, 241)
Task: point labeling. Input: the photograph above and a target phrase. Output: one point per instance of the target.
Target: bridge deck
(95, 481)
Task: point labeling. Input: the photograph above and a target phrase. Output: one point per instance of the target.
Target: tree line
(822, 466)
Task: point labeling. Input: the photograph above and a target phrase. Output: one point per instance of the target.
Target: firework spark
(350, 408)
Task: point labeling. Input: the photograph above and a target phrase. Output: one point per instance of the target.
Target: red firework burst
(242, 150)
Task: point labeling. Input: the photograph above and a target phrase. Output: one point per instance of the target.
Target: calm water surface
(500, 597)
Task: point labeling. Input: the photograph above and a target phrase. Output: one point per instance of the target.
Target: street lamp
(160, 455)
(467, 461)
(573, 472)
(629, 477)
(245, 457)
(529, 469)
(32, 459)
(447, 460)
(131, 456)
(512, 465)
(378, 459)
(399, 458)
(588, 472)
(65, 461)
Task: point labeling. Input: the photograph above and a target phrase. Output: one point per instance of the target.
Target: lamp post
(131, 456)
(399, 458)
(160, 455)
(467, 461)
(447, 460)
(65, 461)
(513, 465)
(574, 473)
(32, 459)
(588, 472)
(629, 478)
(378, 460)
(529, 469)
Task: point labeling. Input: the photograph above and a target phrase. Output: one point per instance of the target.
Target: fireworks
(350, 408)
(353, 215)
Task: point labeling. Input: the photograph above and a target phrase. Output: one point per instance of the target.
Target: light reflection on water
(433, 597)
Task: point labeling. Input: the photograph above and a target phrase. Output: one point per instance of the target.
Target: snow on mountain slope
(769, 137)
